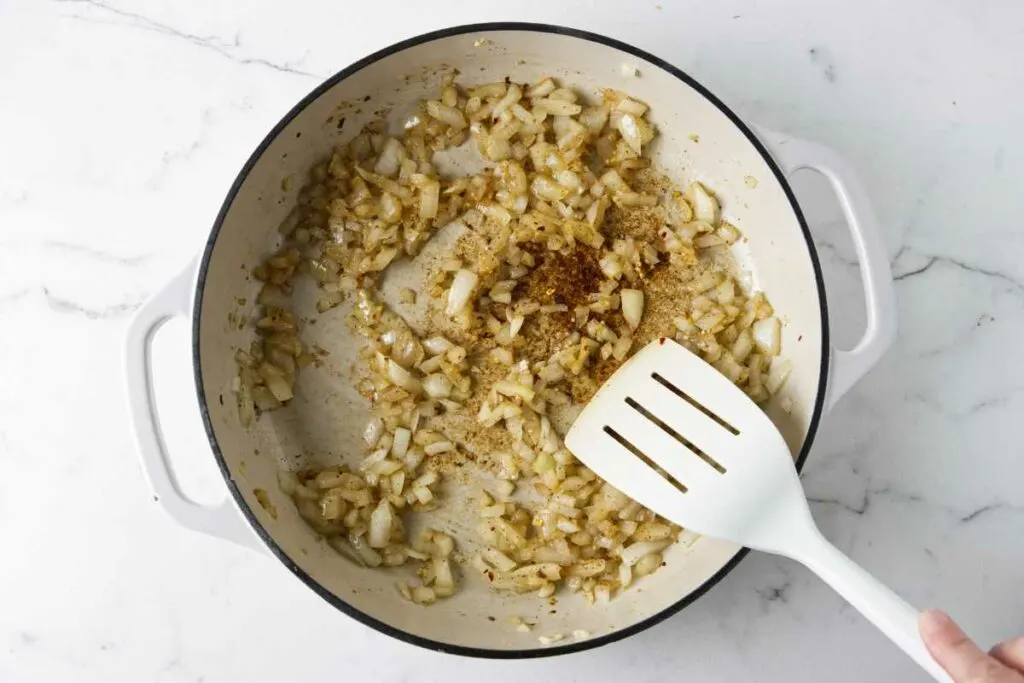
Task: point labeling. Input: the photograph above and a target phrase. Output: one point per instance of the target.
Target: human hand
(963, 660)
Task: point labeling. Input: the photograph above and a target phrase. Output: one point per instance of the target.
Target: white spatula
(725, 472)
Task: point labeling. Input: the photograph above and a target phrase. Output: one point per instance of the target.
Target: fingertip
(933, 622)
(1010, 653)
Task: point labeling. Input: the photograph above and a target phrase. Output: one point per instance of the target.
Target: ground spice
(566, 277)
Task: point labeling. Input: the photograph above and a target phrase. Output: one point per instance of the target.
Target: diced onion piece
(498, 559)
(631, 106)
(438, 447)
(512, 96)
(276, 382)
(497, 149)
(708, 241)
(778, 372)
(625, 575)
(449, 115)
(369, 556)
(632, 306)
(594, 118)
(557, 107)
(546, 188)
(423, 595)
(648, 564)
(725, 293)
(462, 287)
(742, 347)
(390, 158)
(437, 386)
(403, 378)
(382, 521)
(444, 581)
(514, 389)
(436, 345)
(635, 552)
(422, 494)
(429, 194)
(542, 88)
(709, 321)
(767, 335)
(630, 131)
(728, 232)
(705, 206)
(613, 181)
(401, 442)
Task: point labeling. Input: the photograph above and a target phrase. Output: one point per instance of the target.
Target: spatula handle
(886, 610)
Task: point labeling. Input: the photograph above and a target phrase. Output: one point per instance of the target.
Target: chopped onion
(767, 335)
(276, 382)
(742, 347)
(423, 595)
(512, 96)
(390, 158)
(401, 442)
(611, 265)
(514, 390)
(560, 167)
(557, 107)
(630, 132)
(728, 232)
(403, 378)
(449, 115)
(436, 345)
(725, 292)
(498, 559)
(369, 556)
(635, 552)
(373, 431)
(438, 447)
(429, 193)
(705, 206)
(546, 188)
(382, 520)
(632, 307)
(778, 372)
(437, 386)
(462, 287)
(631, 106)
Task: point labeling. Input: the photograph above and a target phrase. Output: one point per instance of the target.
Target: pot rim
(247, 512)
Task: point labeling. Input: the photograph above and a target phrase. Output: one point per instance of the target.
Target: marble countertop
(122, 125)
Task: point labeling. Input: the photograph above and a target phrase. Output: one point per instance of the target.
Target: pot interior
(323, 424)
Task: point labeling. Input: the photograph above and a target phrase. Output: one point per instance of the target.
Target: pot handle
(848, 366)
(221, 520)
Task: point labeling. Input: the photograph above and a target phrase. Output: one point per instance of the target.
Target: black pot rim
(340, 604)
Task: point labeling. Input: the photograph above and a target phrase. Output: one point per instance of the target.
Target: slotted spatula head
(674, 434)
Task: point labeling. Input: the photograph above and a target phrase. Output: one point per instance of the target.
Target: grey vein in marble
(933, 260)
(62, 305)
(205, 42)
(99, 256)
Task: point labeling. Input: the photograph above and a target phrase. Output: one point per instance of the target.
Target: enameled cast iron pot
(699, 137)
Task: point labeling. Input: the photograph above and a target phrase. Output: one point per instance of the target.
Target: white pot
(747, 168)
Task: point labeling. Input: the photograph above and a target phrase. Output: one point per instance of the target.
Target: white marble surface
(122, 125)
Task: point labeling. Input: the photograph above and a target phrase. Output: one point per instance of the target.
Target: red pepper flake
(661, 341)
